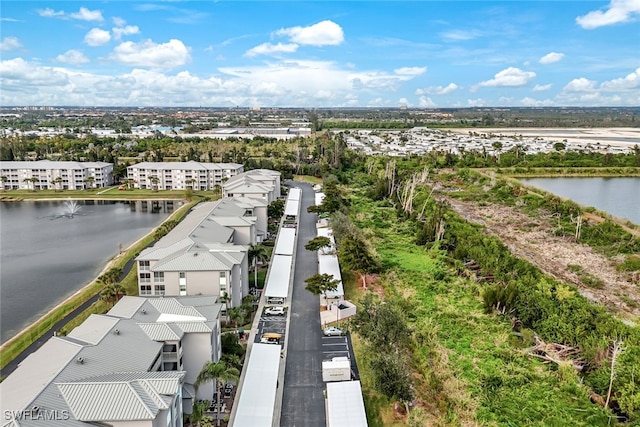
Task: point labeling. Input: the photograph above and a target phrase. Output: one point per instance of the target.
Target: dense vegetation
(473, 351)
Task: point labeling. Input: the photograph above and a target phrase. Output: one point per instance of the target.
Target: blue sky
(320, 54)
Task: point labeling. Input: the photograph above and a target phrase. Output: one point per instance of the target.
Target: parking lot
(271, 324)
(334, 347)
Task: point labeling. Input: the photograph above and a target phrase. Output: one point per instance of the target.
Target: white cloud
(9, 43)
(85, 14)
(82, 14)
(551, 57)
(97, 37)
(149, 54)
(403, 102)
(126, 30)
(49, 13)
(618, 11)
(479, 102)
(531, 102)
(410, 71)
(270, 49)
(580, 85)
(118, 22)
(325, 33)
(17, 72)
(510, 77)
(72, 57)
(541, 88)
(461, 35)
(630, 82)
(426, 102)
(438, 90)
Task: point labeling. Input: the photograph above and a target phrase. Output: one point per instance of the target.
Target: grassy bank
(25, 338)
(567, 172)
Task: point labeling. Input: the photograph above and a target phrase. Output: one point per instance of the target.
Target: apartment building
(181, 175)
(261, 184)
(55, 175)
(134, 366)
(205, 254)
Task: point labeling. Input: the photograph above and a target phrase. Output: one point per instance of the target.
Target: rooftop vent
(80, 360)
(195, 254)
(143, 311)
(116, 332)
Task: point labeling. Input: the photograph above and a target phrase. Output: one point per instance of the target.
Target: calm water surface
(46, 254)
(618, 196)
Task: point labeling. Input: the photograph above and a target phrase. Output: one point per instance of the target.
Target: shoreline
(87, 287)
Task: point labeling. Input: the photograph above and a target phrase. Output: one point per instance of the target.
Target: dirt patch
(562, 258)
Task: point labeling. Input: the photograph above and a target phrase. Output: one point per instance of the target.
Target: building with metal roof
(181, 175)
(278, 278)
(55, 175)
(256, 403)
(345, 406)
(134, 365)
(286, 241)
(263, 184)
(205, 254)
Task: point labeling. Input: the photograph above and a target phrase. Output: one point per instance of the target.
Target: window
(223, 278)
(158, 276)
(145, 277)
(183, 289)
(183, 275)
(145, 290)
(159, 289)
(143, 265)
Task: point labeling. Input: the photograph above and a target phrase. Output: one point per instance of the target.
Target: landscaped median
(16, 345)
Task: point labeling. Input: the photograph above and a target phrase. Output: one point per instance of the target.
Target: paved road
(303, 399)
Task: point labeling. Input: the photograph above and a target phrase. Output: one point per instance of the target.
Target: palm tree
(198, 418)
(154, 182)
(218, 372)
(257, 253)
(112, 293)
(90, 180)
(33, 181)
(56, 182)
(236, 314)
(190, 183)
(4, 180)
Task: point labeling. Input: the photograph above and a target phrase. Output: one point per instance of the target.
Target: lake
(619, 197)
(48, 251)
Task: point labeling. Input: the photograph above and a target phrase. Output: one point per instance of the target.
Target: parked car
(270, 338)
(274, 311)
(332, 331)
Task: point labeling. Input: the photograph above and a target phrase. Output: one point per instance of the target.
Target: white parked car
(274, 311)
(332, 331)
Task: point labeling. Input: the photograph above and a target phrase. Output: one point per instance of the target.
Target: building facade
(134, 366)
(55, 175)
(181, 175)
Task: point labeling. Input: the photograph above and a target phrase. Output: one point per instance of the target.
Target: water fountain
(70, 208)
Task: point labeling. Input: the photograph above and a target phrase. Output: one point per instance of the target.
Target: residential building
(262, 184)
(134, 366)
(181, 175)
(55, 175)
(205, 254)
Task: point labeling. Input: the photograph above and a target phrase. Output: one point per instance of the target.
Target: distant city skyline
(430, 54)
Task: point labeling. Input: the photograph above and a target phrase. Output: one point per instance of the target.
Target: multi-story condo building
(54, 175)
(134, 366)
(181, 175)
(262, 184)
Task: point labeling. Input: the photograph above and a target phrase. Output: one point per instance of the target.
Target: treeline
(537, 304)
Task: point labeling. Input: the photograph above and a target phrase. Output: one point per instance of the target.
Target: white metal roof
(279, 276)
(329, 264)
(292, 207)
(258, 392)
(286, 241)
(319, 198)
(295, 194)
(345, 406)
